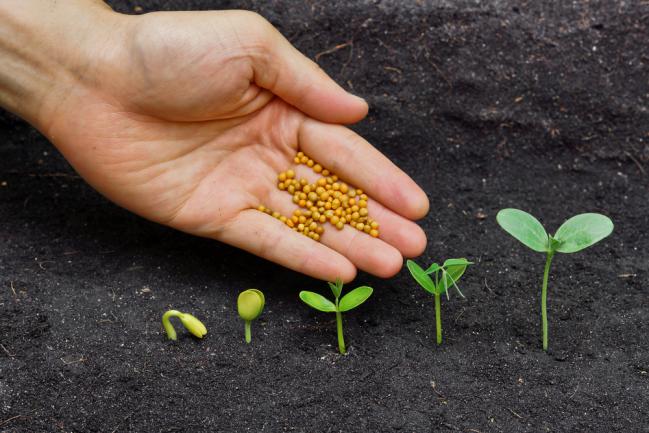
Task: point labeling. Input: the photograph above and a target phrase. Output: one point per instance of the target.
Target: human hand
(185, 118)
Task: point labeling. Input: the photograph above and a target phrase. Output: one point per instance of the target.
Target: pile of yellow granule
(326, 200)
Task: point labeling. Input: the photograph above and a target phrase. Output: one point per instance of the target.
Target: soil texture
(538, 105)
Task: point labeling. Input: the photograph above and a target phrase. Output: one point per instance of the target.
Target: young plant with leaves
(577, 233)
(250, 304)
(443, 278)
(191, 323)
(351, 300)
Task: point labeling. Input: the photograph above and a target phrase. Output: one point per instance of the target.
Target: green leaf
(336, 287)
(456, 262)
(582, 231)
(432, 268)
(355, 298)
(451, 276)
(250, 304)
(317, 301)
(525, 228)
(421, 277)
(261, 295)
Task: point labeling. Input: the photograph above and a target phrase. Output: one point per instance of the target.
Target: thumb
(286, 72)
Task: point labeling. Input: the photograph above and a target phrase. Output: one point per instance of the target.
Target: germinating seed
(326, 200)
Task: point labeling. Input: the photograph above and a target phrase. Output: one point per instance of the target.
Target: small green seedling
(445, 276)
(250, 305)
(577, 233)
(191, 323)
(351, 300)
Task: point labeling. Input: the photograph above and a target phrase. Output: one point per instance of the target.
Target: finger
(267, 237)
(355, 160)
(370, 254)
(367, 253)
(285, 71)
(401, 233)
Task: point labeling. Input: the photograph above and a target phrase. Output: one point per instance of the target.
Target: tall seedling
(576, 234)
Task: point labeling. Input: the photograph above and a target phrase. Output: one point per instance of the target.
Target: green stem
(544, 300)
(248, 334)
(166, 323)
(438, 318)
(339, 328)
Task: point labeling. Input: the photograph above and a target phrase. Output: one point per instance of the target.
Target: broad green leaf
(582, 231)
(432, 268)
(317, 301)
(336, 287)
(525, 228)
(421, 277)
(354, 298)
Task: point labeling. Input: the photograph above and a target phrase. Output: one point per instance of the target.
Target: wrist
(48, 48)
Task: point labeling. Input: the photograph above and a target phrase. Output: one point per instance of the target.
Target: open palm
(189, 117)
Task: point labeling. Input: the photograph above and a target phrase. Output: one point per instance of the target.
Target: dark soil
(537, 105)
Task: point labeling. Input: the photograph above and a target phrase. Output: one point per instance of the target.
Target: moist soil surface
(536, 105)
